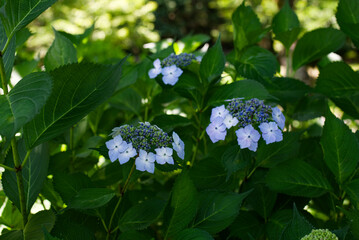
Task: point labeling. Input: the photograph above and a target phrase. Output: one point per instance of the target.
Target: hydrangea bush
(186, 143)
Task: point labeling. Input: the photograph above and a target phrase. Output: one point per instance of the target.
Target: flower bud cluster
(247, 115)
(170, 67)
(320, 234)
(129, 141)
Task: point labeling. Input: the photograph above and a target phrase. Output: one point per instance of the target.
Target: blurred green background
(126, 26)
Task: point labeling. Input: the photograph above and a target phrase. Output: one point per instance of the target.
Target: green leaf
(212, 63)
(262, 200)
(168, 122)
(12, 235)
(338, 79)
(270, 155)
(288, 90)
(34, 228)
(247, 27)
(141, 215)
(134, 235)
(286, 26)
(235, 159)
(246, 226)
(257, 63)
(194, 234)
(353, 217)
(10, 216)
(297, 228)
(348, 19)
(297, 178)
(241, 89)
(61, 52)
(350, 105)
(88, 198)
(128, 100)
(277, 223)
(23, 102)
(340, 148)
(352, 188)
(19, 13)
(182, 205)
(314, 45)
(77, 90)
(217, 210)
(78, 38)
(34, 174)
(9, 55)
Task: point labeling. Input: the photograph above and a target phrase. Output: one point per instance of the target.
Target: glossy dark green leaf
(24, 101)
(277, 223)
(247, 29)
(19, 13)
(193, 234)
(34, 174)
(142, 215)
(241, 89)
(212, 63)
(297, 178)
(288, 90)
(257, 63)
(34, 227)
(88, 198)
(182, 205)
(286, 25)
(297, 228)
(352, 188)
(348, 19)
(61, 52)
(246, 226)
(77, 90)
(217, 210)
(340, 148)
(314, 45)
(9, 56)
(338, 79)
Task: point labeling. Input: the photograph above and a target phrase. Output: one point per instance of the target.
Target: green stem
(288, 63)
(20, 184)
(109, 231)
(26, 158)
(7, 168)
(2, 74)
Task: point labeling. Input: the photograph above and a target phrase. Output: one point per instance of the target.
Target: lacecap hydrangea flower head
(320, 234)
(171, 67)
(250, 117)
(148, 143)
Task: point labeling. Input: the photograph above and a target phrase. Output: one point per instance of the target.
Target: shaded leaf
(194, 234)
(235, 159)
(246, 226)
(9, 56)
(352, 188)
(34, 227)
(288, 89)
(348, 19)
(12, 235)
(277, 223)
(88, 198)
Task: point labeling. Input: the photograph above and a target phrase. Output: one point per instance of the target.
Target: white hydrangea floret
(154, 72)
(248, 137)
(220, 111)
(178, 145)
(278, 117)
(115, 147)
(145, 161)
(230, 121)
(171, 74)
(270, 132)
(124, 156)
(216, 130)
(164, 155)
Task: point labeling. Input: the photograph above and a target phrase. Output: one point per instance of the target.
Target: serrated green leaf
(34, 227)
(241, 89)
(352, 188)
(61, 52)
(277, 223)
(257, 63)
(77, 90)
(247, 29)
(34, 174)
(142, 215)
(246, 226)
(88, 198)
(338, 79)
(193, 234)
(314, 45)
(212, 64)
(286, 25)
(297, 178)
(19, 13)
(340, 148)
(297, 228)
(182, 205)
(348, 19)
(217, 210)
(23, 102)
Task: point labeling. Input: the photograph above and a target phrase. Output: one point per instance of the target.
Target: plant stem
(7, 168)
(288, 63)
(2, 74)
(26, 158)
(109, 231)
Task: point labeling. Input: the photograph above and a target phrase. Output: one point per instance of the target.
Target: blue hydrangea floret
(148, 142)
(171, 67)
(251, 117)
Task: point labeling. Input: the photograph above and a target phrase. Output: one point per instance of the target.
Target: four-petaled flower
(216, 130)
(178, 145)
(220, 111)
(164, 155)
(271, 132)
(115, 147)
(171, 74)
(145, 161)
(124, 156)
(230, 121)
(154, 72)
(278, 117)
(248, 137)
